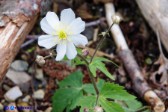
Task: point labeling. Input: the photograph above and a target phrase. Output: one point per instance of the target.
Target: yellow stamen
(62, 35)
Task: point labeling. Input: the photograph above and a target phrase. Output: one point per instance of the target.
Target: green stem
(88, 63)
(100, 42)
(91, 76)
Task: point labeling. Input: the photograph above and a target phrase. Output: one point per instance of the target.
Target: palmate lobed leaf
(110, 93)
(88, 88)
(61, 99)
(97, 63)
(70, 94)
(73, 93)
(134, 106)
(73, 80)
(110, 106)
(86, 102)
(116, 92)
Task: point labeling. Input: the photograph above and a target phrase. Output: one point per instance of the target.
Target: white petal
(52, 20)
(71, 51)
(79, 40)
(46, 27)
(77, 26)
(67, 16)
(47, 41)
(61, 50)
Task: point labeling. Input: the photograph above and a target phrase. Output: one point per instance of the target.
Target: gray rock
(39, 74)
(13, 94)
(39, 94)
(18, 77)
(19, 65)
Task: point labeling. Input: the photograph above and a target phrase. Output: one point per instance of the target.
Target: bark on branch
(17, 18)
(140, 85)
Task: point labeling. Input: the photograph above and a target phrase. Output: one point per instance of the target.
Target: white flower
(65, 33)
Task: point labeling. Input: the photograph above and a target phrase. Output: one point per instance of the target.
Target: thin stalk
(88, 63)
(90, 76)
(100, 42)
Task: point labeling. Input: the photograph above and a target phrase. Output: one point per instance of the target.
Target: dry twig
(139, 83)
(18, 19)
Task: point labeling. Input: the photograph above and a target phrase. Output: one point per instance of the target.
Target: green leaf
(90, 89)
(78, 61)
(69, 92)
(104, 60)
(112, 97)
(109, 106)
(73, 93)
(97, 63)
(86, 102)
(136, 104)
(114, 91)
(93, 69)
(73, 80)
(74, 99)
(103, 69)
(128, 107)
(62, 98)
(79, 50)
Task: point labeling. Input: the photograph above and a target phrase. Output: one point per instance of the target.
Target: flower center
(62, 35)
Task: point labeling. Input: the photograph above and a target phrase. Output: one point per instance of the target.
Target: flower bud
(98, 109)
(116, 19)
(85, 52)
(40, 60)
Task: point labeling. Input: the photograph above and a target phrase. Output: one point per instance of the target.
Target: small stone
(19, 65)
(26, 98)
(13, 94)
(39, 94)
(18, 77)
(49, 109)
(1, 107)
(39, 74)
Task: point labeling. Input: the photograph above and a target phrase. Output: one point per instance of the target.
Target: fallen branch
(18, 18)
(139, 83)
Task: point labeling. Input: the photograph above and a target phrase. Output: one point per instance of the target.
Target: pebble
(39, 94)
(49, 109)
(19, 65)
(39, 74)
(18, 77)
(1, 107)
(26, 98)
(13, 94)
